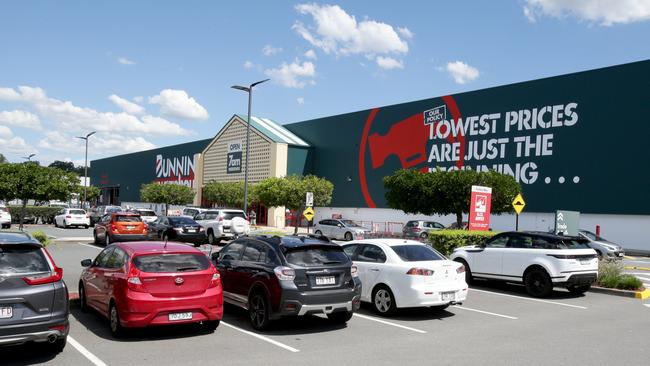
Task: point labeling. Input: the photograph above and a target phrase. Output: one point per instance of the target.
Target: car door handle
(374, 269)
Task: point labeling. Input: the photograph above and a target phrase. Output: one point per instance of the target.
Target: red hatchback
(142, 284)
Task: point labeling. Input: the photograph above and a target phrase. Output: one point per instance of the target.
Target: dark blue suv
(276, 276)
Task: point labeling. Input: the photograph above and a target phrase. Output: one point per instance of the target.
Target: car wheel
(340, 317)
(210, 325)
(258, 311)
(95, 240)
(468, 272)
(383, 300)
(114, 318)
(58, 345)
(318, 232)
(83, 304)
(424, 235)
(538, 283)
(578, 289)
(55, 224)
(348, 236)
(65, 224)
(107, 239)
(211, 238)
(86, 226)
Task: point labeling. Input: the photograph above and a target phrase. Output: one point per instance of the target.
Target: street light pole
(249, 90)
(86, 166)
(29, 158)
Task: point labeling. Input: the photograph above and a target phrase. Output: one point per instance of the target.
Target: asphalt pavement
(497, 325)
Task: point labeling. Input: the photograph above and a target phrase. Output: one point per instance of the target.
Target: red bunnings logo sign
(176, 170)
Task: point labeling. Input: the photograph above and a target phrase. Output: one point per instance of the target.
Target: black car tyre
(95, 240)
(538, 283)
(211, 238)
(258, 311)
(383, 300)
(65, 224)
(424, 235)
(578, 289)
(348, 236)
(468, 272)
(210, 325)
(114, 319)
(318, 232)
(83, 304)
(55, 224)
(340, 317)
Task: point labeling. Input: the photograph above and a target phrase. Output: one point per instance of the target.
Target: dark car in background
(33, 297)
(276, 276)
(98, 212)
(177, 228)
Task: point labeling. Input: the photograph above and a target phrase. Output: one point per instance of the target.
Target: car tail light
(354, 271)
(285, 273)
(133, 282)
(68, 216)
(420, 272)
(42, 279)
(214, 281)
(220, 218)
(61, 327)
(416, 229)
(460, 269)
(113, 227)
(145, 228)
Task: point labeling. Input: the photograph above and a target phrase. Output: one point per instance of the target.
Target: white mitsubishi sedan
(398, 273)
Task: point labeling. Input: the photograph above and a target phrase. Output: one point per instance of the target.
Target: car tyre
(83, 304)
(65, 224)
(211, 238)
(114, 320)
(538, 283)
(210, 325)
(383, 300)
(340, 317)
(347, 236)
(95, 239)
(318, 232)
(578, 289)
(258, 311)
(424, 235)
(468, 272)
(55, 224)
(107, 239)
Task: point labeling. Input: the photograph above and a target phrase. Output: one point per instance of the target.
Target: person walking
(252, 216)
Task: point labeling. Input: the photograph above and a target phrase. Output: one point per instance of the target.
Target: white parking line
(258, 336)
(647, 305)
(390, 323)
(485, 312)
(531, 299)
(90, 246)
(86, 353)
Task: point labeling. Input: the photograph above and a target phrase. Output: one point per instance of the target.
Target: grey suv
(33, 298)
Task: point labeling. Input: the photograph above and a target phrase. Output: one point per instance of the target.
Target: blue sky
(155, 73)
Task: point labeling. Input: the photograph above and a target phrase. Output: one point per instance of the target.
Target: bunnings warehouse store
(575, 142)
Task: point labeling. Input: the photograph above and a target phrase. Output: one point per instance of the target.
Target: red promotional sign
(479, 208)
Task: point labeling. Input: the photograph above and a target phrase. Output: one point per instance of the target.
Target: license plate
(130, 227)
(191, 230)
(448, 296)
(585, 261)
(6, 312)
(325, 280)
(180, 316)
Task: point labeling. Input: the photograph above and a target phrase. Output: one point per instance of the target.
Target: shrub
(610, 275)
(44, 214)
(41, 237)
(629, 282)
(445, 241)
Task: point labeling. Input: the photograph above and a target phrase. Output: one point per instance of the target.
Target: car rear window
(77, 212)
(574, 244)
(127, 218)
(229, 215)
(147, 213)
(415, 253)
(180, 220)
(316, 256)
(181, 262)
(22, 259)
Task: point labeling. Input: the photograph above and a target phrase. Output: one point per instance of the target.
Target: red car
(140, 284)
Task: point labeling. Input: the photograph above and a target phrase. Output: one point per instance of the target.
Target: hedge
(610, 275)
(445, 241)
(44, 214)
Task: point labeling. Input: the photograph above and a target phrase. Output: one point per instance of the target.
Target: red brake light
(113, 227)
(420, 272)
(145, 228)
(133, 282)
(215, 280)
(42, 279)
(220, 218)
(460, 269)
(68, 216)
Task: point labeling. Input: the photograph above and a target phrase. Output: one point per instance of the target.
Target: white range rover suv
(539, 260)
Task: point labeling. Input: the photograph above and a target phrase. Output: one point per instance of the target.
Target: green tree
(446, 193)
(228, 193)
(169, 194)
(2, 159)
(29, 180)
(68, 166)
(290, 191)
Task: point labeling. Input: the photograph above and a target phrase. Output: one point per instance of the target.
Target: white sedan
(72, 217)
(398, 273)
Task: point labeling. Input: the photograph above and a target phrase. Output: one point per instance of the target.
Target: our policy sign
(234, 157)
(479, 208)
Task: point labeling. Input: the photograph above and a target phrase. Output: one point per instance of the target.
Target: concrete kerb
(641, 294)
(73, 238)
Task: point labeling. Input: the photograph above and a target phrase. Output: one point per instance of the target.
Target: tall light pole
(86, 166)
(29, 158)
(249, 90)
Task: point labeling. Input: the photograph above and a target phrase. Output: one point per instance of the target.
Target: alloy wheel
(258, 311)
(383, 300)
(114, 319)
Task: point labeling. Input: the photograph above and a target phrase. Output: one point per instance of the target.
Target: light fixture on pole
(86, 166)
(249, 90)
(29, 158)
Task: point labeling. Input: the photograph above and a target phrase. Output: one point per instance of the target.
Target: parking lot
(499, 321)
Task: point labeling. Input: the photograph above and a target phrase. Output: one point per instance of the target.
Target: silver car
(340, 229)
(605, 249)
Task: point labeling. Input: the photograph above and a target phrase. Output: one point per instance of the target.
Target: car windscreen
(350, 223)
(316, 256)
(229, 215)
(415, 253)
(127, 218)
(180, 220)
(172, 262)
(113, 209)
(15, 259)
(77, 212)
(147, 213)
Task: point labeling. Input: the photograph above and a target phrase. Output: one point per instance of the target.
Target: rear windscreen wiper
(181, 269)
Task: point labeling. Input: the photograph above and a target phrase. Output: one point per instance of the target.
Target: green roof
(274, 131)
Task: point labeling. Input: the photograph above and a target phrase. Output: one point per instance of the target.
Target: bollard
(597, 230)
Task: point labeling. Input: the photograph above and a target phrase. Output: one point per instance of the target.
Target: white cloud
(292, 75)
(5, 132)
(125, 105)
(125, 61)
(20, 119)
(13, 144)
(462, 72)
(336, 32)
(102, 143)
(178, 103)
(269, 50)
(300, 100)
(604, 12)
(389, 63)
(248, 64)
(9, 95)
(310, 54)
(405, 32)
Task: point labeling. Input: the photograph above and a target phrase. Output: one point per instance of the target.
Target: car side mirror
(86, 262)
(340, 225)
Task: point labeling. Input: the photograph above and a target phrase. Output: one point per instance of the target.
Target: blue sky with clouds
(148, 74)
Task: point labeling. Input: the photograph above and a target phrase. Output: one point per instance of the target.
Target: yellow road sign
(308, 213)
(518, 203)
